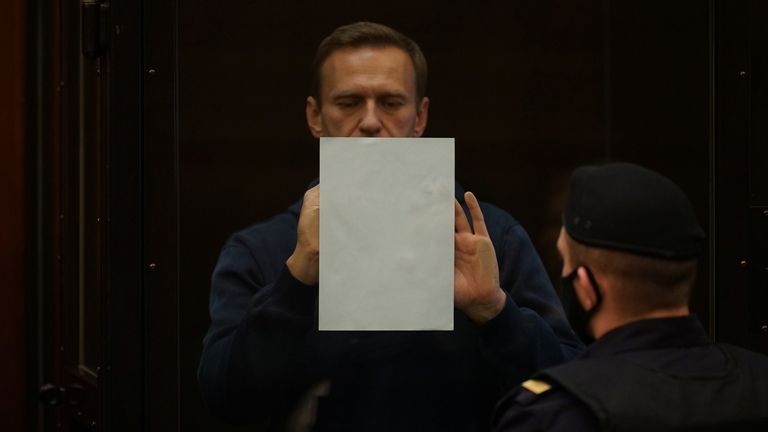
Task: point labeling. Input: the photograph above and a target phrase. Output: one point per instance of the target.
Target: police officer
(629, 244)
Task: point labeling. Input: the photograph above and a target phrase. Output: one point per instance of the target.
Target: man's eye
(392, 103)
(346, 104)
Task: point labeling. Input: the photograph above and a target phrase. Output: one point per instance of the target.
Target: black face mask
(577, 316)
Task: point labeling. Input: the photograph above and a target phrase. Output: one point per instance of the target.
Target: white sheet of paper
(386, 233)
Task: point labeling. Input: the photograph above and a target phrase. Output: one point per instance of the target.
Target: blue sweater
(263, 350)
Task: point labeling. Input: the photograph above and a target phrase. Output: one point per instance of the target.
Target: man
(263, 356)
(629, 244)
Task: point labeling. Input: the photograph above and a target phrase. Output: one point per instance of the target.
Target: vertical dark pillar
(13, 361)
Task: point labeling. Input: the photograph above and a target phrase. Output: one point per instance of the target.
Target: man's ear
(422, 114)
(314, 120)
(585, 290)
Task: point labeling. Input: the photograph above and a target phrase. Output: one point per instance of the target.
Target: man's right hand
(304, 262)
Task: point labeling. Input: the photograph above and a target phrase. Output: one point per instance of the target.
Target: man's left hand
(476, 289)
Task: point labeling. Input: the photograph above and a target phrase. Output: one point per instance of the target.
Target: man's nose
(370, 124)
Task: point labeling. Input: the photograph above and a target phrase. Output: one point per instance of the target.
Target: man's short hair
(643, 283)
(368, 34)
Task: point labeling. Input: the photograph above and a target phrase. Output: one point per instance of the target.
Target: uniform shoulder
(538, 405)
(743, 351)
(747, 357)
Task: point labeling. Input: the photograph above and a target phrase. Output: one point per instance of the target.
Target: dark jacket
(263, 349)
(655, 374)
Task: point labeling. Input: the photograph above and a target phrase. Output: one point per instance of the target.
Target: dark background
(188, 124)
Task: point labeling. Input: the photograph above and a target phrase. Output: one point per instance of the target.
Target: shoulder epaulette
(536, 386)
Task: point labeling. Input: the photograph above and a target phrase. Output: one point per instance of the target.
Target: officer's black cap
(630, 208)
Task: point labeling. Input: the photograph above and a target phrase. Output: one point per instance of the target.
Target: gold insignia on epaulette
(536, 386)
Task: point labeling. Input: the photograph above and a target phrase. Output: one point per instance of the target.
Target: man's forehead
(366, 57)
(366, 69)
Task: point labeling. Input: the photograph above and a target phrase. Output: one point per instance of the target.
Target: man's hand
(304, 263)
(476, 289)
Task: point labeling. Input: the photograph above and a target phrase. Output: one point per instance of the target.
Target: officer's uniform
(655, 374)
(649, 375)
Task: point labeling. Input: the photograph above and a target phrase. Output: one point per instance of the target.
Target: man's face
(367, 91)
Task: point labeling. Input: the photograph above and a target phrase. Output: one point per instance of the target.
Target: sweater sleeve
(255, 363)
(531, 332)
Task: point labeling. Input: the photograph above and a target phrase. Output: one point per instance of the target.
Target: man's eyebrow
(398, 95)
(346, 94)
(355, 94)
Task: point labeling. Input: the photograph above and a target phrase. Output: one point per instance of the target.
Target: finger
(462, 224)
(312, 196)
(315, 190)
(478, 223)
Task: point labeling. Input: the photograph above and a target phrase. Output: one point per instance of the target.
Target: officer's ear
(586, 291)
